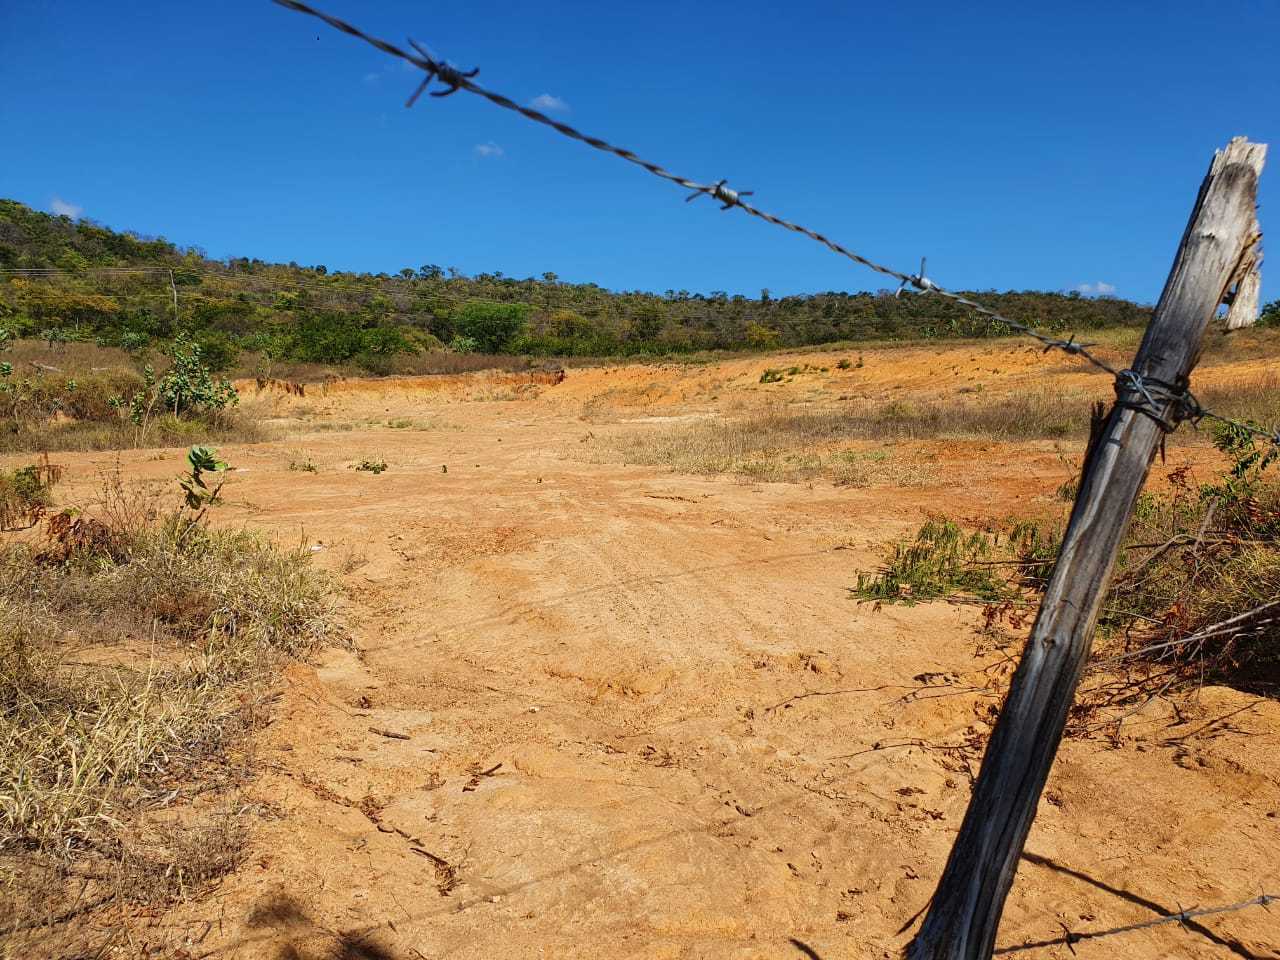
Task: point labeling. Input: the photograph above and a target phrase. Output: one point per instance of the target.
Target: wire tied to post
(1168, 404)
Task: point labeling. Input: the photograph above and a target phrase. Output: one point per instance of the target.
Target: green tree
(491, 325)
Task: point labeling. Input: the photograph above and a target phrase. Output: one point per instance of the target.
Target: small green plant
(771, 376)
(844, 364)
(189, 387)
(1247, 463)
(54, 336)
(940, 562)
(141, 405)
(24, 493)
(198, 494)
(304, 466)
(131, 341)
(371, 466)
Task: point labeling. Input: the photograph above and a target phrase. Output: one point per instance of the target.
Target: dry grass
(781, 444)
(132, 654)
(120, 434)
(1040, 414)
(772, 446)
(1246, 398)
(31, 357)
(64, 403)
(407, 364)
(1191, 599)
(25, 493)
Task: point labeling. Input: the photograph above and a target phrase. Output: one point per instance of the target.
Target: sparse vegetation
(941, 561)
(372, 466)
(780, 444)
(1194, 557)
(135, 645)
(771, 445)
(306, 465)
(25, 493)
(82, 405)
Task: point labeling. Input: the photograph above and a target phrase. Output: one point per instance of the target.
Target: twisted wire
(1166, 405)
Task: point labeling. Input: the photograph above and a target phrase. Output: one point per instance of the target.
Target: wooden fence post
(966, 907)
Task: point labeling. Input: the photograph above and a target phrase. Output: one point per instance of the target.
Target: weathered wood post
(1220, 237)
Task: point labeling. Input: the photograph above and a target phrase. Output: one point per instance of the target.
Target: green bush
(1192, 557)
(217, 350)
(188, 386)
(491, 325)
(940, 562)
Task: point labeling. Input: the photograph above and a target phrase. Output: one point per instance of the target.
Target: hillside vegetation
(64, 280)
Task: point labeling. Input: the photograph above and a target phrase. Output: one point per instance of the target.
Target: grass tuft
(941, 561)
(135, 647)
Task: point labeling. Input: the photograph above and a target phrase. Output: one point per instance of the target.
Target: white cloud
(489, 149)
(1099, 289)
(391, 69)
(550, 103)
(64, 209)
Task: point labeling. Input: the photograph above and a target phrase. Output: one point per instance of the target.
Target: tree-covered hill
(75, 280)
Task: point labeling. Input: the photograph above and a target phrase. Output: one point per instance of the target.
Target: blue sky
(1018, 146)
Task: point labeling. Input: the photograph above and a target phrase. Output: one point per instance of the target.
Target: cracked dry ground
(608, 711)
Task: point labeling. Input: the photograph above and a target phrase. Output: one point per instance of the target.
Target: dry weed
(134, 646)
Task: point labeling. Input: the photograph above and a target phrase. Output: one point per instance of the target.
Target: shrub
(218, 352)
(1192, 558)
(941, 561)
(491, 325)
(188, 386)
(460, 344)
(25, 493)
(760, 337)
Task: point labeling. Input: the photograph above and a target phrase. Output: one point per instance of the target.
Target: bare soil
(608, 711)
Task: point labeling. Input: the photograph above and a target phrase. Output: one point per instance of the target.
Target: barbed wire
(1167, 404)
(1183, 917)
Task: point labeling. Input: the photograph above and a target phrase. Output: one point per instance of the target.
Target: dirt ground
(608, 711)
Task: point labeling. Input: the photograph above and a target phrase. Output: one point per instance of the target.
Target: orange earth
(642, 716)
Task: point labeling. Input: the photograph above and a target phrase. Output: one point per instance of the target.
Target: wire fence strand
(1183, 917)
(1167, 404)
